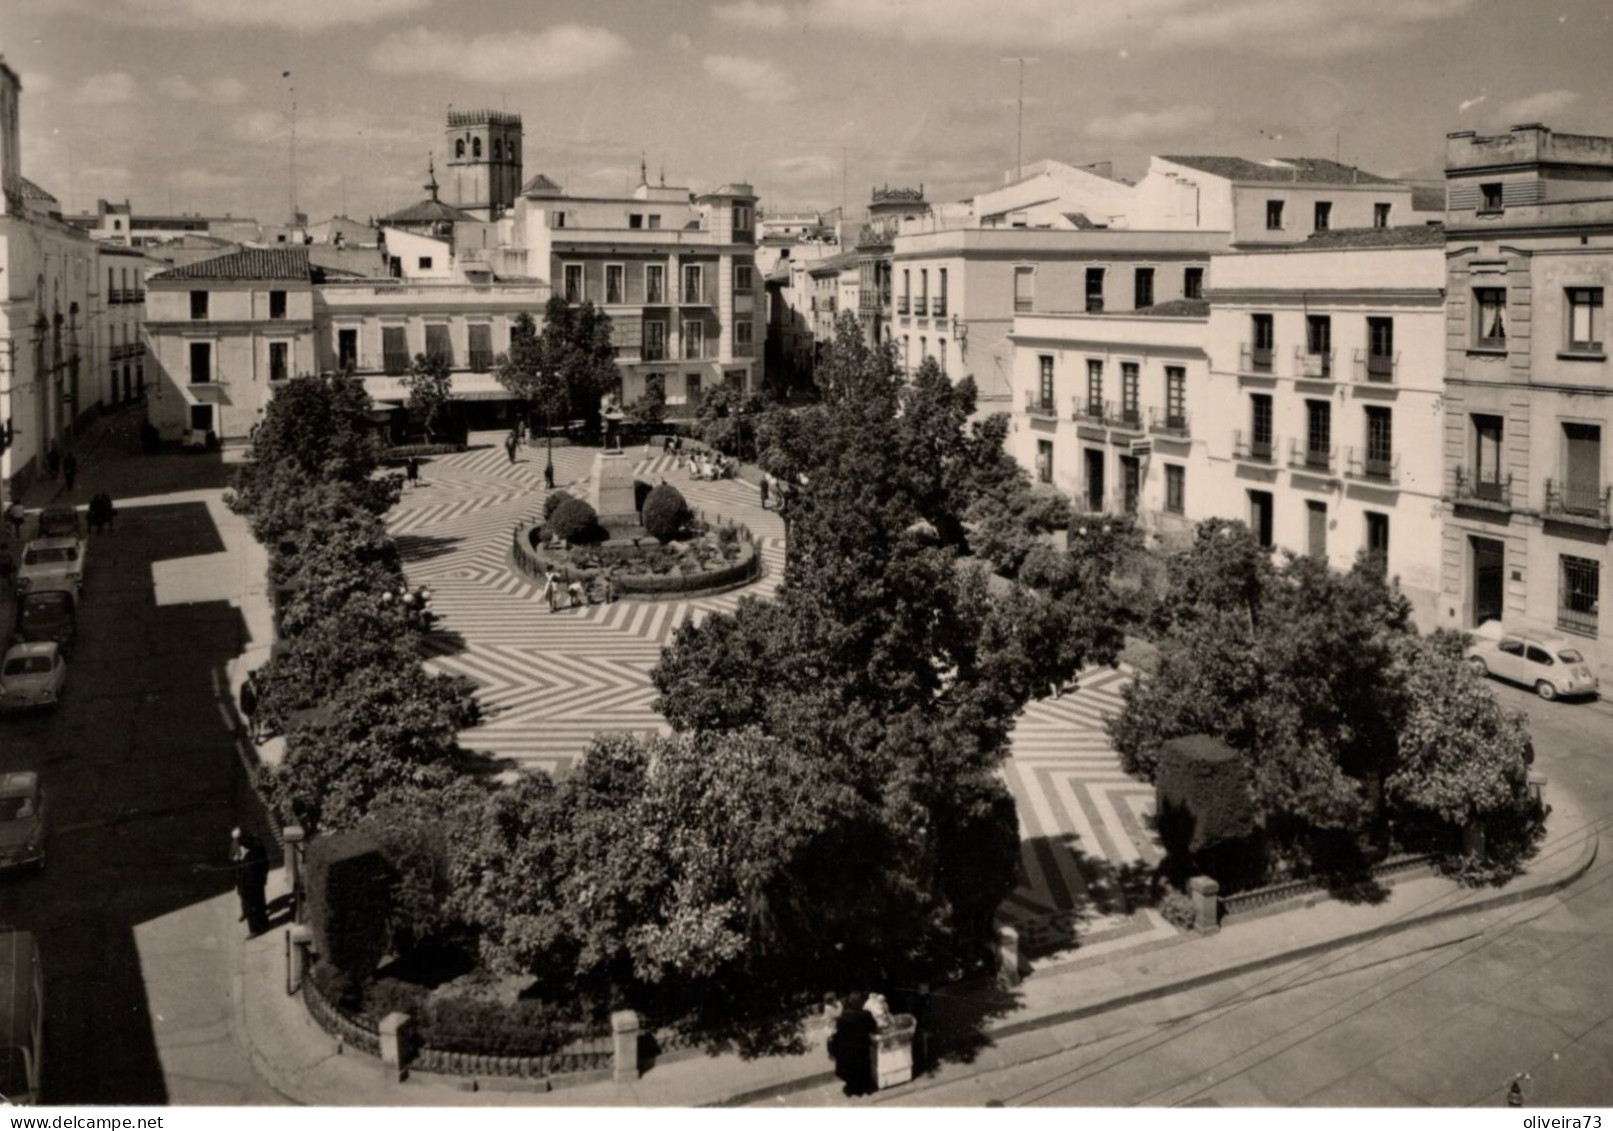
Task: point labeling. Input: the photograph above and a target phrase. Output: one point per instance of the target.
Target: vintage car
(1550, 664)
(51, 563)
(60, 522)
(48, 614)
(22, 821)
(32, 675)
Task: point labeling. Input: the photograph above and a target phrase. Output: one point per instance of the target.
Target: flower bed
(535, 561)
(404, 452)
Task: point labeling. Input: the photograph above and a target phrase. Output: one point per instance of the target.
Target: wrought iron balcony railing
(1313, 366)
(1128, 418)
(1085, 409)
(1492, 489)
(1167, 423)
(1040, 407)
(1579, 502)
(1250, 448)
(1381, 368)
(1254, 359)
(1372, 469)
(1311, 457)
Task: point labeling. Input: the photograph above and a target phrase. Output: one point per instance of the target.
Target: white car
(51, 563)
(1550, 664)
(32, 675)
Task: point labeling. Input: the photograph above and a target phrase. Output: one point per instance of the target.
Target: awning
(204, 394)
(464, 387)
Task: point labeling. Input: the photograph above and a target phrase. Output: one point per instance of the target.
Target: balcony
(1041, 407)
(696, 297)
(1165, 423)
(938, 307)
(1254, 359)
(1369, 469)
(921, 306)
(1586, 504)
(1492, 492)
(1248, 448)
(1311, 457)
(1378, 368)
(1094, 304)
(1124, 418)
(1024, 305)
(1310, 366)
(903, 305)
(1086, 410)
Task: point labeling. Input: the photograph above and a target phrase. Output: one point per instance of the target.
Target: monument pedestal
(610, 489)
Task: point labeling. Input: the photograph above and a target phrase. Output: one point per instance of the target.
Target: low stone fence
(731, 575)
(1277, 897)
(350, 1031)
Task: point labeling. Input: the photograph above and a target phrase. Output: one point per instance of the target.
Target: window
(1274, 215)
(1378, 537)
(277, 360)
(1324, 215)
(481, 347)
(615, 278)
(425, 263)
(744, 333)
(1318, 433)
(1260, 435)
(1491, 308)
(346, 349)
(498, 149)
(1263, 337)
(907, 292)
(112, 294)
(438, 344)
(742, 218)
(1045, 364)
(277, 304)
(744, 277)
(694, 339)
(655, 220)
(198, 304)
(907, 353)
(1143, 288)
(940, 305)
(635, 220)
(1487, 483)
(1380, 348)
(924, 291)
(1175, 488)
(924, 349)
(1380, 442)
(459, 147)
(692, 279)
(558, 220)
(1024, 289)
(941, 354)
(1578, 590)
(1316, 529)
(117, 225)
(1094, 290)
(1585, 319)
(574, 283)
(1261, 512)
(1044, 461)
(1128, 392)
(476, 147)
(1175, 397)
(1319, 338)
(654, 283)
(1380, 216)
(395, 349)
(1193, 282)
(1582, 468)
(654, 340)
(1490, 197)
(201, 363)
(1094, 386)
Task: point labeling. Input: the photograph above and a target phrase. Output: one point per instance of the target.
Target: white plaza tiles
(550, 681)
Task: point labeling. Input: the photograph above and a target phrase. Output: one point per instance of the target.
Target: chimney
(10, 144)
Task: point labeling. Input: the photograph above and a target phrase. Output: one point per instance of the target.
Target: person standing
(251, 863)
(16, 515)
(509, 446)
(575, 594)
(411, 472)
(551, 589)
(852, 1047)
(70, 469)
(765, 487)
(249, 705)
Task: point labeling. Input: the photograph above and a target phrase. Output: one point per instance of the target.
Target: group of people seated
(712, 466)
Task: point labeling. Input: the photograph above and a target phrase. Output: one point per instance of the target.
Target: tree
(649, 410)
(723, 413)
(577, 344)
(430, 383)
(531, 371)
(666, 514)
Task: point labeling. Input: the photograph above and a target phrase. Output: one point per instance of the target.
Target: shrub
(393, 995)
(487, 1027)
(552, 503)
(571, 520)
(349, 904)
(1205, 813)
(665, 513)
(1177, 909)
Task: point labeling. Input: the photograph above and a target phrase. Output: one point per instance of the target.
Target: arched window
(459, 148)
(476, 147)
(498, 150)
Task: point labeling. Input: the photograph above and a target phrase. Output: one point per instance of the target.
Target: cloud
(1468, 103)
(1302, 28)
(109, 89)
(759, 80)
(561, 52)
(289, 15)
(1540, 107)
(224, 89)
(680, 41)
(1150, 125)
(752, 13)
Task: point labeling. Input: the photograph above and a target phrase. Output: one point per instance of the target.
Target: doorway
(1489, 579)
(1316, 529)
(1260, 515)
(1131, 473)
(1094, 480)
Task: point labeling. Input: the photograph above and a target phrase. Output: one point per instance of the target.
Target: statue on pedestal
(612, 416)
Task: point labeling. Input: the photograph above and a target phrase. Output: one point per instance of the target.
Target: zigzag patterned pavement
(551, 681)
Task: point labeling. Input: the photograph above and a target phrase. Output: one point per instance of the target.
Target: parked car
(51, 563)
(60, 522)
(22, 821)
(32, 675)
(48, 614)
(22, 1018)
(1550, 664)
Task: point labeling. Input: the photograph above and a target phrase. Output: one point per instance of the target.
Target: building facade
(1528, 388)
(120, 314)
(484, 161)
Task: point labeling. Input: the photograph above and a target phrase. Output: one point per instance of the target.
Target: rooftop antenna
(663, 170)
(643, 169)
(1019, 130)
(293, 140)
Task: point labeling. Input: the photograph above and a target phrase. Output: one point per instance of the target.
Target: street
(136, 912)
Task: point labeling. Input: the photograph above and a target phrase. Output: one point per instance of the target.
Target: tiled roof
(1428, 198)
(277, 263)
(833, 263)
(1411, 235)
(1302, 170)
(539, 185)
(31, 191)
(428, 212)
(1178, 308)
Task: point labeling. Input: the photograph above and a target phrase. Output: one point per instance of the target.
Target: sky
(186, 104)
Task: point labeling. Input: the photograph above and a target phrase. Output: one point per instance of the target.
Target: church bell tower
(484, 161)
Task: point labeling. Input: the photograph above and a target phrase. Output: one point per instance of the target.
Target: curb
(1542, 888)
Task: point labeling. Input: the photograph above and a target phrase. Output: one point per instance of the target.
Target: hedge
(571, 519)
(402, 452)
(349, 890)
(1204, 812)
(666, 513)
(532, 561)
(552, 503)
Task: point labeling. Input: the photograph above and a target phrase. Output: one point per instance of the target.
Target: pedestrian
(251, 864)
(509, 446)
(411, 472)
(249, 706)
(852, 1047)
(70, 469)
(574, 594)
(551, 589)
(766, 485)
(53, 460)
(548, 476)
(16, 514)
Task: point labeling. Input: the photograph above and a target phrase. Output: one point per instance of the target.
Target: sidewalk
(1053, 1009)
